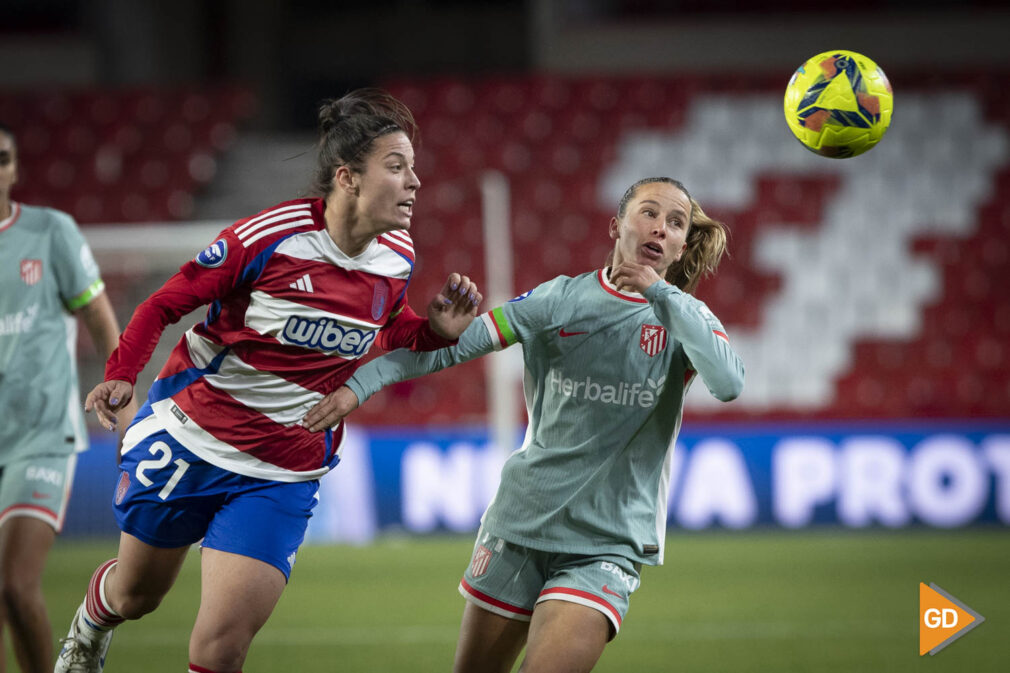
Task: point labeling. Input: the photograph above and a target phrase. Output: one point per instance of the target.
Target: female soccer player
(298, 294)
(582, 504)
(47, 275)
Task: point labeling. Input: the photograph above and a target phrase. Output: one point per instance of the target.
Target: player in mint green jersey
(609, 356)
(47, 276)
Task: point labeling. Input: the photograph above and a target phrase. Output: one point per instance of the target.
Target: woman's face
(8, 166)
(387, 187)
(654, 228)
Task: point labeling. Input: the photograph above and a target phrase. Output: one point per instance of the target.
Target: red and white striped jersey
(290, 318)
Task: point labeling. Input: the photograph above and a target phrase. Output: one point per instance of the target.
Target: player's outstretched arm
(106, 399)
(331, 409)
(399, 365)
(454, 307)
(100, 320)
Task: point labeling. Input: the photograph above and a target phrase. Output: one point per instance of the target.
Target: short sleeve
(77, 276)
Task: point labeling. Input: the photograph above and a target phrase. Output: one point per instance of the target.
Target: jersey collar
(603, 275)
(15, 212)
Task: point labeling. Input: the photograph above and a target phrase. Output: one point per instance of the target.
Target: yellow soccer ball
(839, 104)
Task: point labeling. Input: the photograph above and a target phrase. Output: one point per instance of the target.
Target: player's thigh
(24, 544)
(603, 583)
(237, 596)
(144, 569)
(565, 637)
(488, 642)
(501, 585)
(247, 557)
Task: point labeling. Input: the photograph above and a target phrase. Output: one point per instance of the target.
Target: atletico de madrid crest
(31, 271)
(481, 557)
(653, 339)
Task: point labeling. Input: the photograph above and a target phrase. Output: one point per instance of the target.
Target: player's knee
(16, 595)
(222, 652)
(135, 605)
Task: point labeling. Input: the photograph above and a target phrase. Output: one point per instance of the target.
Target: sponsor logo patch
(214, 255)
(628, 580)
(623, 393)
(522, 296)
(328, 335)
(44, 474)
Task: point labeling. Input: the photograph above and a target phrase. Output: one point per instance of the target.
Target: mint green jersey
(46, 271)
(605, 377)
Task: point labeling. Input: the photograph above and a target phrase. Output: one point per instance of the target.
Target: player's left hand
(107, 398)
(331, 410)
(633, 277)
(454, 307)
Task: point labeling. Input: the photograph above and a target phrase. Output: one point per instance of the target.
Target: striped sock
(97, 611)
(193, 668)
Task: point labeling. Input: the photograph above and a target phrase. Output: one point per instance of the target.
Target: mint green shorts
(510, 580)
(38, 487)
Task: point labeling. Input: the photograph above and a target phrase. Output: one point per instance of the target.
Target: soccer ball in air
(838, 104)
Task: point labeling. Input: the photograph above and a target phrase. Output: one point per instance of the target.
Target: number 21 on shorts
(163, 456)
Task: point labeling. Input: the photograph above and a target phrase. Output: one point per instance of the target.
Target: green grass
(824, 601)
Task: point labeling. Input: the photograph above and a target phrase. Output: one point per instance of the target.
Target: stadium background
(869, 297)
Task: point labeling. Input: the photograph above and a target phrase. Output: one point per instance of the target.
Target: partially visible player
(581, 506)
(48, 278)
(297, 294)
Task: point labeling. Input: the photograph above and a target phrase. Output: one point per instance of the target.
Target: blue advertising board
(727, 476)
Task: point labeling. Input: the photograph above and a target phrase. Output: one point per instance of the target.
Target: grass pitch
(818, 600)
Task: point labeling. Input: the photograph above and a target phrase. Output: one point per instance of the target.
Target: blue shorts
(168, 497)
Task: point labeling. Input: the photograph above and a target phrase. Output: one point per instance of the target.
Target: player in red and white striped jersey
(291, 315)
(298, 294)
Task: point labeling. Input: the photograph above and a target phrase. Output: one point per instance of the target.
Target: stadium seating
(553, 138)
(111, 156)
(929, 338)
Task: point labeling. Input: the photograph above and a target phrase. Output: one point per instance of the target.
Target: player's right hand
(331, 410)
(107, 398)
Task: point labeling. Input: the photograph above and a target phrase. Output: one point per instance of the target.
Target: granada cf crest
(31, 271)
(653, 339)
(380, 297)
(481, 557)
(122, 486)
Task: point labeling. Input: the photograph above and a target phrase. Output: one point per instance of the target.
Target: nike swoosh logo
(612, 593)
(563, 333)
